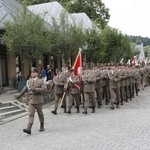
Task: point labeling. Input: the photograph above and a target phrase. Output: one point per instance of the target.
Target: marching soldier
(89, 80)
(137, 81)
(104, 82)
(122, 84)
(126, 84)
(131, 82)
(35, 86)
(59, 82)
(114, 86)
(73, 90)
(98, 85)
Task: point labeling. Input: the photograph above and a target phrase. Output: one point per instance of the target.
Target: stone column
(11, 68)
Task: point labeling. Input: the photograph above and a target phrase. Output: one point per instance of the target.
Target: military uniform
(114, 87)
(73, 91)
(35, 86)
(59, 82)
(122, 85)
(137, 81)
(89, 80)
(104, 82)
(98, 86)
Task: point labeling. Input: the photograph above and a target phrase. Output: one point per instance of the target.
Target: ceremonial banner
(78, 64)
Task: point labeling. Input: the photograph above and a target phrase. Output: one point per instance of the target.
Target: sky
(131, 17)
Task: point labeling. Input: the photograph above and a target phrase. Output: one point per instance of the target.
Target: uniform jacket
(122, 77)
(35, 97)
(89, 82)
(104, 78)
(59, 82)
(73, 87)
(98, 76)
(114, 79)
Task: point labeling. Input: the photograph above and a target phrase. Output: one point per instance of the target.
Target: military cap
(71, 70)
(35, 70)
(58, 70)
(87, 68)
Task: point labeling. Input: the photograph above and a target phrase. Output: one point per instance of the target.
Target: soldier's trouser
(133, 88)
(115, 95)
(57, 98)
(104, 92)
(99, 96)
(32, 108)
(122, 90)
(82, 97)
(136, 87)
(77, 99)
(127, 95)
(87, 96)
(130, 90)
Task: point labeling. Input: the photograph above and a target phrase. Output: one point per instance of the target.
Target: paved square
(126, 128)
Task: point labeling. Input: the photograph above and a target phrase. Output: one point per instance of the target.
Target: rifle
(62, 99)
(50, 87)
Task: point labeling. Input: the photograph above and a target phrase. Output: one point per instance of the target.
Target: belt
(35, 94)
(58, 85)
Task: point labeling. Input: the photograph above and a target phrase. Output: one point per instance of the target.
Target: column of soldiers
(112, 84)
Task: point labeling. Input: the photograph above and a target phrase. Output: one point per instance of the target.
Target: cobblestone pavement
(126, 128)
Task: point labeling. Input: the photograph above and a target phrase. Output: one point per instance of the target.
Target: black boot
(106, 102)
(78, 110)
(93, 110)
(54, 112)
(64, 109)
(85, 110)
(126, 100)
(117, 105)
(99, 105)
(112, 105)
(28, 130)
(121, 102)
(69, 110)
(41, 127)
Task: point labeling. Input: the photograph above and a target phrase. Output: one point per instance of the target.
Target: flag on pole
(78, 64)
(134, 61)
(77, 67)
(129, 62)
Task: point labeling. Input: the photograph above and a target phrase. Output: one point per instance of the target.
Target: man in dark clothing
(49, 73)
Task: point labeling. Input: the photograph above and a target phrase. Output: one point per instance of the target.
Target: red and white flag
(134, 61)
(78, 64)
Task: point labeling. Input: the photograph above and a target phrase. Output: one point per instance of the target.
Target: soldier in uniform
(89, 80)
(131, 82)
(35, 86)
(144, 76)
(59, 82)
(104, 82)
(73, 90)
(114, 86)
(122, 83)
(137, 80)
(98, 76)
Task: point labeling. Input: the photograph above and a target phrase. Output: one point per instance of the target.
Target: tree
(95, 50)
(65, 38)
(95, 10)
(116, 45)
(27, 36)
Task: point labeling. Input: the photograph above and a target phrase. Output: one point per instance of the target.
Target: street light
(85, 46)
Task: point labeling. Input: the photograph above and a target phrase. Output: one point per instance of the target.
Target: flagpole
(80, 50)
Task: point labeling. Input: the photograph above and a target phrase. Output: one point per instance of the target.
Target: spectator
(49, 73)
(43, 74)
